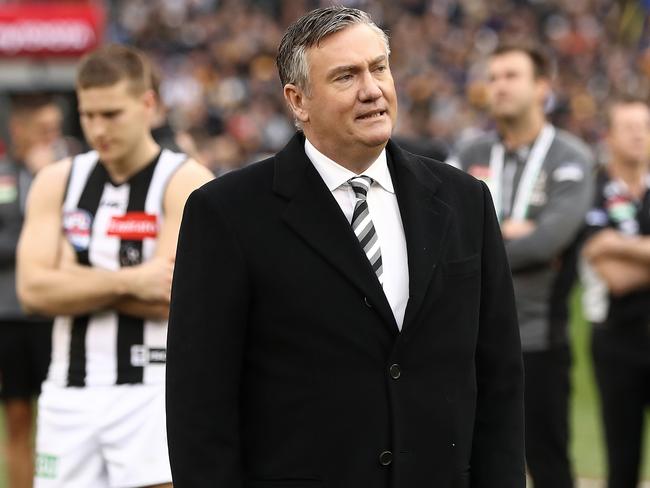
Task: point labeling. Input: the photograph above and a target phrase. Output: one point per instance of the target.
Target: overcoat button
(395, 371)
(385, 458)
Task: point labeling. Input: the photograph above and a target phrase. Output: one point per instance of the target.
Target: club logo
(130, 255)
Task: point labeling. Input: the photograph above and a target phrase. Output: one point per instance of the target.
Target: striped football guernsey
(111, 226)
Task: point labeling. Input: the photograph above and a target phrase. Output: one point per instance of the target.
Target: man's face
(629, 132)
(39, 127)
(512, 87)
(114, 119)
(350, 104)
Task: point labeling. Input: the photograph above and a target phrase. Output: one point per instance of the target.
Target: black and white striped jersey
(112, 226)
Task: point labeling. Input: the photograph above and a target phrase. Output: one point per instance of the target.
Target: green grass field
(586, 443)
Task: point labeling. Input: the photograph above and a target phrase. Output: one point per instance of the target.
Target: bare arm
(610, 243)
(623, 262)
(622, 276)
(189, 176)
(43, 286)
(130, 305)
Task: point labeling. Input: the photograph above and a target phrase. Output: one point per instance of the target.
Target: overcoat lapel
(426, 221)
(313, 213)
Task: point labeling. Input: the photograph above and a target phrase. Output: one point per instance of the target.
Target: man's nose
(96, 127)
(370, 89)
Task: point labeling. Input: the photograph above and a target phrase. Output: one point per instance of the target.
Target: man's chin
(377, 139)
(506, 116)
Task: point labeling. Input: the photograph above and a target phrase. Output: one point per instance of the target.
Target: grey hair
(309, 31)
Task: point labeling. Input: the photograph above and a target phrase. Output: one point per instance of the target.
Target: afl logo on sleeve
(133, 226)
(76, 226)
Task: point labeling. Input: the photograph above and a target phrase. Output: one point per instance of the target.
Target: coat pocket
(284, 483)
(463, 267)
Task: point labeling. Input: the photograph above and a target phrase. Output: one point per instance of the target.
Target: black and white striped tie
(362, 223)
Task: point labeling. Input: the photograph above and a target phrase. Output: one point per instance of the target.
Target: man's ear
(297, 101)
(150, 100)
(544, 88)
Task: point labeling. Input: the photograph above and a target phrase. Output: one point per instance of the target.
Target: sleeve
(569, 197)
(207, 325)
(498, 447)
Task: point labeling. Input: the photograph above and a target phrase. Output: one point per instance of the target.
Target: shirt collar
(334, 175)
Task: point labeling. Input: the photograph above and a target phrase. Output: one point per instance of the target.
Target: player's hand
(607, 242)
(152, 280)
(516, 229)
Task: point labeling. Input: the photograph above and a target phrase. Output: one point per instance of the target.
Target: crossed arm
(623, 262)
(530, 243)
(51, 282)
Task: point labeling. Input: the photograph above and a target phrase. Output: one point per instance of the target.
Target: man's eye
(381, 68)
(344, 77)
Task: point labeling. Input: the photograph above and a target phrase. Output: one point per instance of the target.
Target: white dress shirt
(384, 211)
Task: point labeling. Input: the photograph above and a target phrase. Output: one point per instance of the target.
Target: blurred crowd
(219, 81)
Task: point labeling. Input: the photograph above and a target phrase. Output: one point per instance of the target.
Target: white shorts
(98, 437)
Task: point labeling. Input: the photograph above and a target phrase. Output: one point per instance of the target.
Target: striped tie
(362, 223)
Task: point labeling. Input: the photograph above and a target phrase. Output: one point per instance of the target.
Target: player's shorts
(25, 349)
(99, 437)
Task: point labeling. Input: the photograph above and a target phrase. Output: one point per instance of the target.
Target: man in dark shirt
(616, 273)
(35, 130)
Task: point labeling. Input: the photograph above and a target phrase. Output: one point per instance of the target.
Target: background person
(35, 142)
(540, 179)
(617, 287)
(96, 251)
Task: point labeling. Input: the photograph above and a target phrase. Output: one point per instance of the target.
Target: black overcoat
(286, 368)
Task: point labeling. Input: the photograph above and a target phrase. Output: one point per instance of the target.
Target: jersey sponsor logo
(142, 355)
(8, 189)
(46, 466)
(133, 226)
(76, 225)
(480, 172)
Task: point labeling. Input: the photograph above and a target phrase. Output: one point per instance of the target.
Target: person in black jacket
(342, 313)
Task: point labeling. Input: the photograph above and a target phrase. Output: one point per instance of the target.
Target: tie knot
(360, 185)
